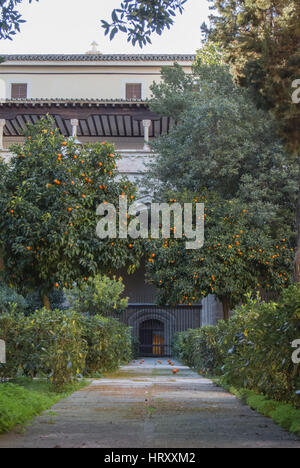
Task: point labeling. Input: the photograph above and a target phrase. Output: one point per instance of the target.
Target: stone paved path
(147, 406)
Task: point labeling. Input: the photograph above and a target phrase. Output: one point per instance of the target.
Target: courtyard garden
(59, 293)
(233, 146)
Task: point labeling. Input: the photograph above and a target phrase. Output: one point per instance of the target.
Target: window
(19, 91)
(133, 91)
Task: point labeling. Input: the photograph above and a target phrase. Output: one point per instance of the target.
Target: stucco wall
(79, 82)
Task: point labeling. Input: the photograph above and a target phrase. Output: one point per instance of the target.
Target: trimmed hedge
(62, 345)
(108, 344)
(253, 349)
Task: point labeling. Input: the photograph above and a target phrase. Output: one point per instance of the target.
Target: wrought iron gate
(154, 326)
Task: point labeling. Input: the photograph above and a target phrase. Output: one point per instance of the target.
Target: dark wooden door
(151, 338)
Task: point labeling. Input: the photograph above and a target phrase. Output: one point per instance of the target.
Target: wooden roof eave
(97, 118)
(76, 109)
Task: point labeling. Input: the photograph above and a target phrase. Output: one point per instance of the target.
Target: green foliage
(47, 342)
(3, 168)
(253, 350)
(223, 152)
(11, 19)
(200, 348)
(139, 19)
(261, 353)
(22, 400)
(238, 257)
(62, 345)
(49, 196)
(261, 41)
(108, 342)
(9, 299)
(64, 348)
(100, 295)
(22, 349)
(174, 94)
(210, 54)
(220, 142)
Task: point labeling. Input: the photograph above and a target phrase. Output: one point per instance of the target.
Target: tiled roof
(71, 101)
(99, 58)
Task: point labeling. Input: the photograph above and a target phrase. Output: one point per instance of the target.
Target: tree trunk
(297, 257)
(46, 302)
(226, 308)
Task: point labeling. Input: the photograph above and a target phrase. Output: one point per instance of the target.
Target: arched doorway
(151, 336)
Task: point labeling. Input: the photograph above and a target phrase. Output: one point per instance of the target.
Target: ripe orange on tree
(40, 208)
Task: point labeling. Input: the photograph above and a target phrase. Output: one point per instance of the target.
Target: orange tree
(49, 196)
(239, 256)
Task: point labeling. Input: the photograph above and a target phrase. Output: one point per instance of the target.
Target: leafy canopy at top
(10, 18)
(139, 19)
(261, 41)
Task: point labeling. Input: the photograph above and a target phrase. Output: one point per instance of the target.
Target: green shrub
(108, 342)
(64, 349)
(253, 349)
(260, 358)
(201, 349)
(21, 352)
(10, 298)
(46, 342)
(207, 352)
(62, 345)
(99, 296)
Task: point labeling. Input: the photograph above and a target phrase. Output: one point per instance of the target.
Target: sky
(70, 26)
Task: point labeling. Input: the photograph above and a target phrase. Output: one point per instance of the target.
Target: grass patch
(284, 414)
(24, 399)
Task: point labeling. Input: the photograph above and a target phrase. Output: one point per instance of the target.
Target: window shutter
(133, 91)
(19, 91)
